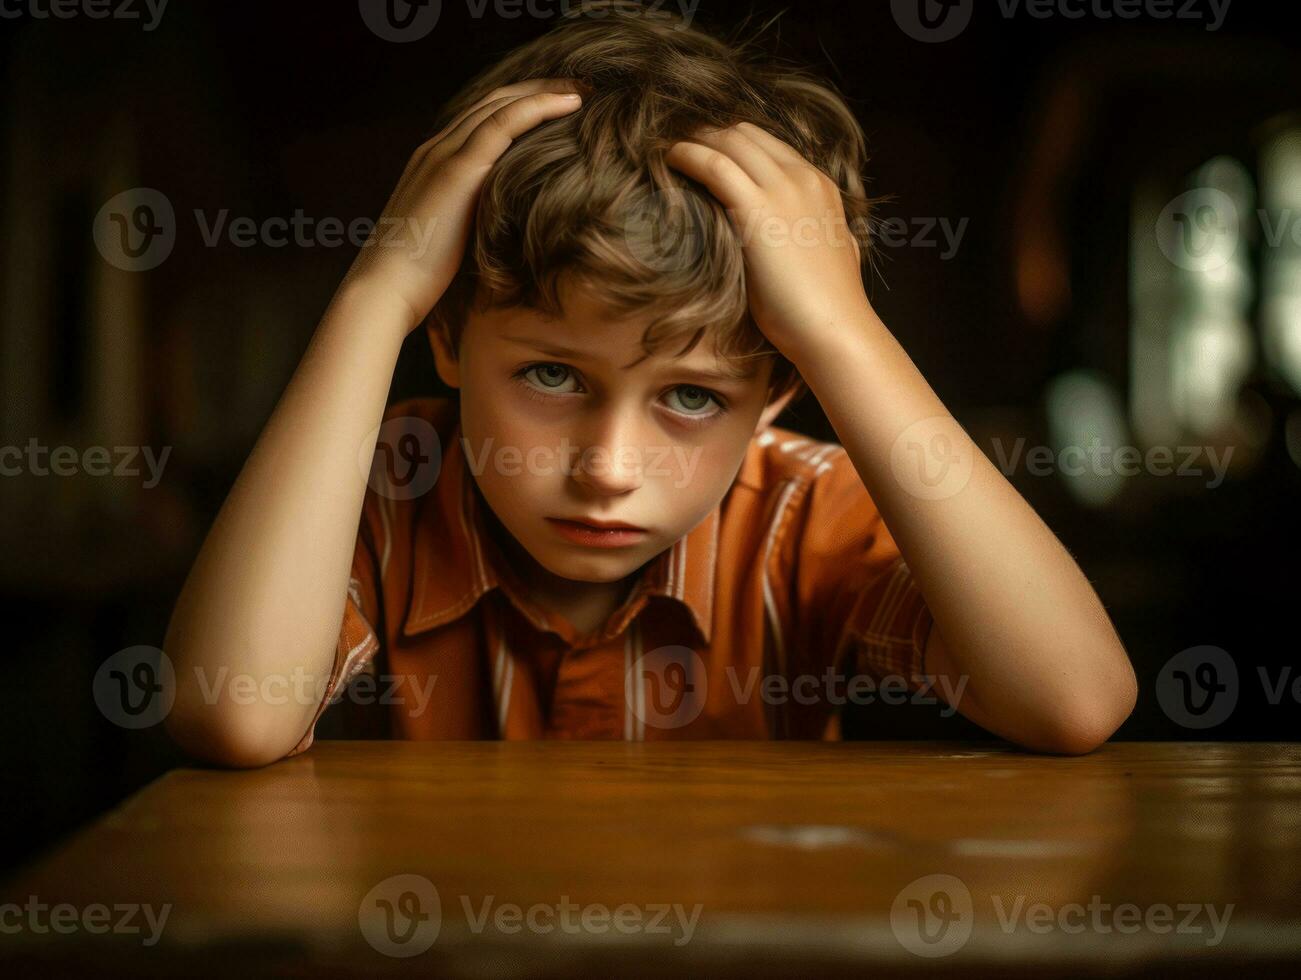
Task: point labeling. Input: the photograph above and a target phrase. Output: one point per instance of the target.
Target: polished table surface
(714, 858)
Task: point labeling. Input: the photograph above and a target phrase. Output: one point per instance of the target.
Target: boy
(631, 245)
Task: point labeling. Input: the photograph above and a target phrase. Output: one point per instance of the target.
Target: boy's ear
(774, 408)
(444, 357)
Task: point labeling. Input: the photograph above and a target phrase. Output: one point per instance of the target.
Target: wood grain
(795, 853)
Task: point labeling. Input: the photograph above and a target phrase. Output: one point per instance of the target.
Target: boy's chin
(595, 568)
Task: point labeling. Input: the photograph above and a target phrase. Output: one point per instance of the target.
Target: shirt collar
(456, 562)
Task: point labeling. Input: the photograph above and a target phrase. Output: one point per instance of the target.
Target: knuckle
(499, 121)
(811, 178)
(418, 157)
(455, 166)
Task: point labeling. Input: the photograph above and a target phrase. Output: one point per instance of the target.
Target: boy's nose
(610, 465)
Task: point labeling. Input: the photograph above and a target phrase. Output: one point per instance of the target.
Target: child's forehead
(590, 331)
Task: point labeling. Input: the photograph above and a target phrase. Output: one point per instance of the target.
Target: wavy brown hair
(589, 195)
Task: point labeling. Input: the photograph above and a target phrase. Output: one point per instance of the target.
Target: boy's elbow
(223, 723)
(1079, 739)
(1092, 721)
(231, 738)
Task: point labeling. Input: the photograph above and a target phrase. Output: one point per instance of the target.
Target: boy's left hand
(802, 263)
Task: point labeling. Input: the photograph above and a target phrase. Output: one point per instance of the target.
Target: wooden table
(684, 859)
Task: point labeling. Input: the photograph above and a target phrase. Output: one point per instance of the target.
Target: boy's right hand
(418, 244)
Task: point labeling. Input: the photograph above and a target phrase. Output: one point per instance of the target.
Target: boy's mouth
(589, 531)
(598, 524)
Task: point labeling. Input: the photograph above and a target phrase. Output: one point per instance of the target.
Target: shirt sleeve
(358, 640)
(856, 604)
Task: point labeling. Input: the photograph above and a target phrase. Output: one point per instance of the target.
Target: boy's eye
(551, 377)
(691, 400)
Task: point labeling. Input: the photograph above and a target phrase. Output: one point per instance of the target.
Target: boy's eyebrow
(742, 372)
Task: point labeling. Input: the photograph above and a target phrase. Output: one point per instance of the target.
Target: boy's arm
(265, 594)
(1014, 615)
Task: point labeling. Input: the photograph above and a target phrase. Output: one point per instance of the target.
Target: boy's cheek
(528, 462)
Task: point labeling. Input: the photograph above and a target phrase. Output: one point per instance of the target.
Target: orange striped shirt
(790, 597)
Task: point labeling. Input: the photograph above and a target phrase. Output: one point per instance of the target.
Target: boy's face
(561, 424)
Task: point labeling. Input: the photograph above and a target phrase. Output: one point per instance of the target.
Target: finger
(500, 128)
(453, 141)
(722, 175)
(529, 87)
(450, 138)
(778, 149)
(754, 159)
(466, 127)
(433, 152)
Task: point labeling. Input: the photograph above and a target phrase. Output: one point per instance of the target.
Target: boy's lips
(599, 525)
(609, 534)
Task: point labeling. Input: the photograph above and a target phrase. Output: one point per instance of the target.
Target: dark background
(1057, 141)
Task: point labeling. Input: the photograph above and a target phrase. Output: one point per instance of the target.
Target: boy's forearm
(266, 591)
(1014, 617)
(1014, 614)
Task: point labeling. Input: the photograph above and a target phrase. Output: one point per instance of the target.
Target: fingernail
(573, 95)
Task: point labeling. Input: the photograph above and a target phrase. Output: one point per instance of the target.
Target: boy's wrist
(372, 303)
